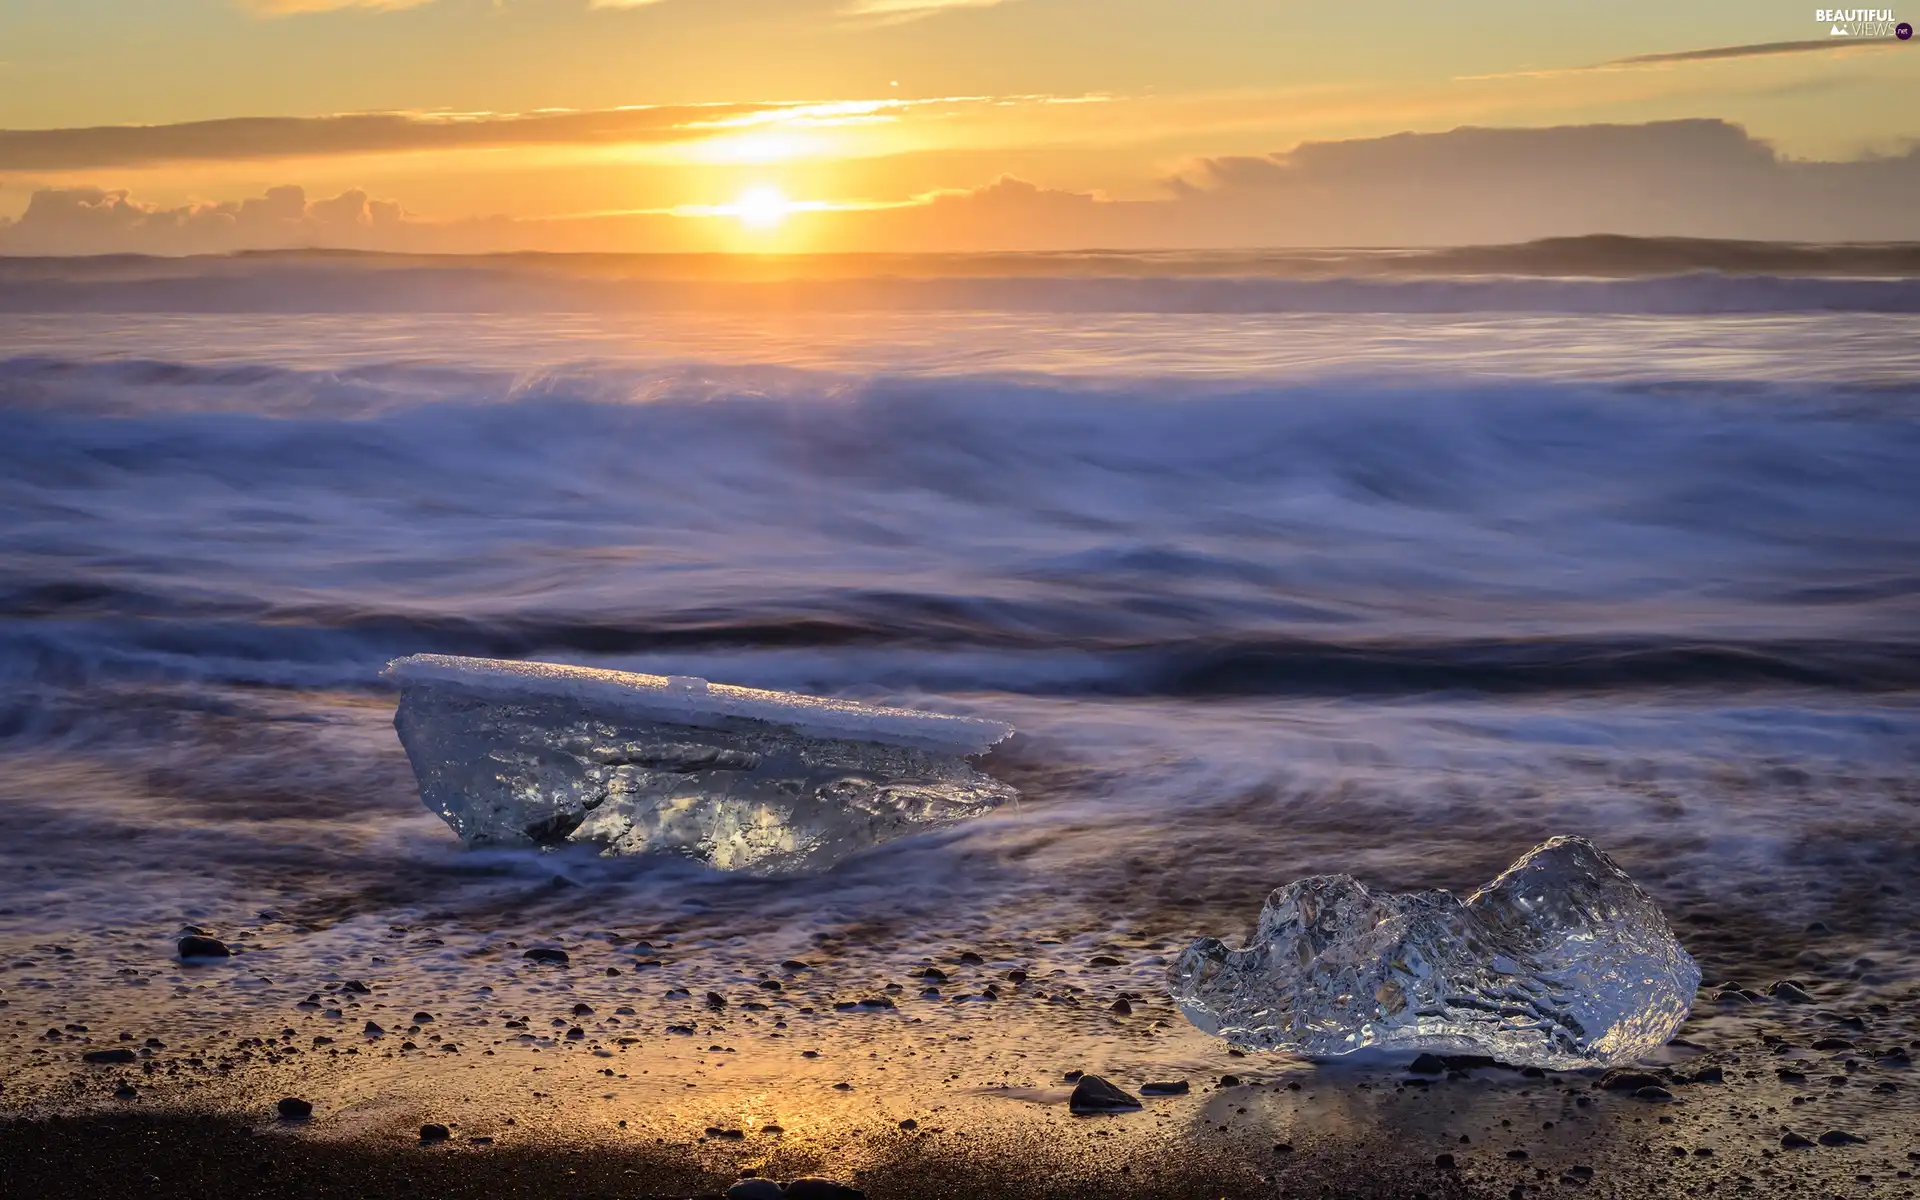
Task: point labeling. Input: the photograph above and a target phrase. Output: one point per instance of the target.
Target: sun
(762, 206)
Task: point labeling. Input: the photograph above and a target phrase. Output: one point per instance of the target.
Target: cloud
(238, 138)
(96, 221)
(1757, 50)
(1470, 186)
(1709, 54)
(287, 8)
(910, 10)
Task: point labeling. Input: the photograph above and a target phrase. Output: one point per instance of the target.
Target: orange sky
(891, 124)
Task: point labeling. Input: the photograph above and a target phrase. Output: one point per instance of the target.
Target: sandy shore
(565, 1081)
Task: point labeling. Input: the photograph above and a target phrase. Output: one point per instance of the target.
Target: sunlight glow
(762, 206)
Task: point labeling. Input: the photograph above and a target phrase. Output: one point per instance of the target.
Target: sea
(1383, 563)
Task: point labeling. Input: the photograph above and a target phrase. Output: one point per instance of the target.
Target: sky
(182, 126)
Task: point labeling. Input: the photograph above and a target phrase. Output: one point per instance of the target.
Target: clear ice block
(1562, 962)
(540, 754)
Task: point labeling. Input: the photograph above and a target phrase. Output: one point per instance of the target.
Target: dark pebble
(909, 1123)
(195, 946)
(716, 1001)
(1103, 960)
(434, 1132)
(1174, 1087)
(1653, 1093)
(1120, 1008)
(1794, 1141)
(1840, 1137)
(1789, 991)
(547, 954)
(1227, 1081)
(1095, 1095)
(356, 987)
(118, 1055)
(1443, 1161)
(1623, 1079)
(292, 1108)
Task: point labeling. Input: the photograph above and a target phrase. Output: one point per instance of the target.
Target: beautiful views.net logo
(1862, 22)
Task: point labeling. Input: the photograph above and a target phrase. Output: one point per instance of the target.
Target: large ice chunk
(1562, 962)
(539, 754)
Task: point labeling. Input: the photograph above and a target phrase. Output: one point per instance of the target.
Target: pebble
(548, 954)
(195, 946)
(118, 1055)
(1794, 1141)
(292, 1108)
(1841, 1137)
(433, 1131)
(1176, 1087)
(1095, 1095)
(1623, 1079)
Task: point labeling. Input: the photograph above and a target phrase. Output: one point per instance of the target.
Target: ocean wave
(297, 528)
(1641, 277)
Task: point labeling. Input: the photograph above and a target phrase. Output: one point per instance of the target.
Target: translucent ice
(1562, 962)
(539, 754)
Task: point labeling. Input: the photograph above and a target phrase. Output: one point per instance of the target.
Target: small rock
(1120, 1008)
(292, 1108)
(1176, 1087)
(909, 1123)
(1103, 960)
(1625, 1079)
(547, 954)
(125, 1091)
(1794, 1141)
(1654, 1094)
(118, 1055)
(1789, 991)
(1840, 1137)
(195, 946)
(1443, 1161)
(1227, 1081)
(421, 1018)
(356, 987)
(433, 1131)
(716, 1001)
(1095, 1095)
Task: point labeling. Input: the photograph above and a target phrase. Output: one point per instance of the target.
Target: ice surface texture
(1561, 962)
(539, 754)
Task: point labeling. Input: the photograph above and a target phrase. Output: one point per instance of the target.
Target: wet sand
(601, 1077)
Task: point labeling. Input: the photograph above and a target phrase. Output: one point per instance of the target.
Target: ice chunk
(1562, 962)
(540, 754)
